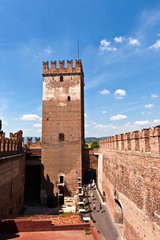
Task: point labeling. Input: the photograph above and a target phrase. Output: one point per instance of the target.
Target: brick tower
(62, 128)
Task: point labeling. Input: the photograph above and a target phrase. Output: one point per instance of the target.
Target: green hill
(91, 139)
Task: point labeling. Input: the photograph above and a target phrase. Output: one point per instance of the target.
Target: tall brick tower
(62, 128)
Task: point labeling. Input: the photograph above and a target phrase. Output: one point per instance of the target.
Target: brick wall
(12, 177)
(12, 145)
(90, 161)
(131, 177)
(63, 113)
(12, 174)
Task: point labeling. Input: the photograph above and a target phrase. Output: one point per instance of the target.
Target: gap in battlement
(65, 63)
(74, 63)
(49, 64)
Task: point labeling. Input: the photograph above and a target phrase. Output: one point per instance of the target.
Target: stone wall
(131, 179)
(12, 175)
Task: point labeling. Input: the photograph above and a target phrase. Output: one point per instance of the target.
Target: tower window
(61, 137)
(69, 98)
(61, 78)
(61, 179)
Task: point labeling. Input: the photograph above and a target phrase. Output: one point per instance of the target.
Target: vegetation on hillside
(94, 144)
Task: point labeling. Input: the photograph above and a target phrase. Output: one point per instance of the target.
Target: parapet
(17, 135)
(145, 140)
(61, 69)
(12, 145)
(30, 143)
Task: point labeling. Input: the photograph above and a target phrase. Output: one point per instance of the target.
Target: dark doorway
(61, 179)
(90, 175)
(32, 183)
(61, 197)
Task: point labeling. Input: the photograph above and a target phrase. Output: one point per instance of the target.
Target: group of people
(92, 185)
(100, 207)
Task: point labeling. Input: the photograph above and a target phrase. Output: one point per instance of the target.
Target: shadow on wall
(49, 187)
(46, 184)
(118, 212)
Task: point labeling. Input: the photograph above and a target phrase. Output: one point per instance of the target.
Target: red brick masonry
(28, 225)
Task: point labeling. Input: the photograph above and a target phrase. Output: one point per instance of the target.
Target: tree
(94, 145)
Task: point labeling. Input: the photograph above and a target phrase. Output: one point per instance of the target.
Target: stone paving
(102, 219)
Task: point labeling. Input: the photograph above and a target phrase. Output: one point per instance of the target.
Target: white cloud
(87, 125)
(154, 96)
(142, 113)
(158, 34)
(30, 117)
(156, 121)
(106, 127)
(156, 45)
(103, 112)
(118, 39)
(104, 91)
(105, 45)
(142, 122)
(48, 50)
(85, 114)
(111, 49)
(39, 130)
(149, 106)
(118, 117)
(134, 41)
(120, 93)
(37, 125)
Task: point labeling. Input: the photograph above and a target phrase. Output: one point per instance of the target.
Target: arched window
(61, 137)
(61, 78)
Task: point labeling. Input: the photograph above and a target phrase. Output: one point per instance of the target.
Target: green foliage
(66, 213)
(86, 146)
(94, 145)
(52, 201)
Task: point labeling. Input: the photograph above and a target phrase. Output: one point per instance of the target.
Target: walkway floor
(50, 235)
(102, 219)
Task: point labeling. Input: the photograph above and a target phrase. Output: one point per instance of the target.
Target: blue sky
(120, 51)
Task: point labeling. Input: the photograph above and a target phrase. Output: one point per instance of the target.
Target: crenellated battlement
(17, 135)
(61, 69)
(145, 140)
(30, 143)
(12, 145)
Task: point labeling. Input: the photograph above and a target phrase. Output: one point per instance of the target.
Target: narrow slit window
(61, 137)
(69, 98)
(61, 78)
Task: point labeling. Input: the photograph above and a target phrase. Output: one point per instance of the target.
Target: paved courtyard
(102, 219)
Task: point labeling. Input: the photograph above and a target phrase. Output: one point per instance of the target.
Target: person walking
(94, 206)
(100, 207)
